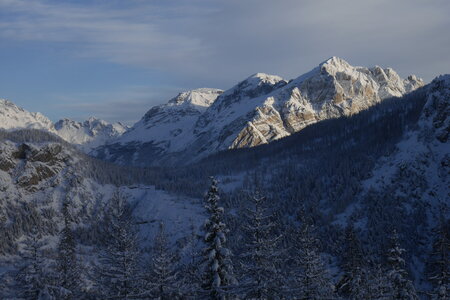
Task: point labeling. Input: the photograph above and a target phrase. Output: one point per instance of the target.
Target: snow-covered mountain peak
(98, 125)
(90, 133)
(261, 78)
(6, 103)
(254, 84)
(332, 68)
(387, 78)
(94, 120)
(191, 102)
(14, 117)
(200, 98)
(335, 64)
(412, 82)
(67, 123)
(173, 119)
(336, 79)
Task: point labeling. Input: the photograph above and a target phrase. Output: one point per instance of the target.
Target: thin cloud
(222, 41)
(217, 43)
(127, 105)
(122, 111)
(117, 34)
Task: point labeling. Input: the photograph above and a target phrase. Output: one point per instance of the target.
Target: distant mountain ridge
(87, 135)
(258, 110)
(90, 133)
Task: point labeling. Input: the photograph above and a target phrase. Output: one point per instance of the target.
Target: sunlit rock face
(260, 109)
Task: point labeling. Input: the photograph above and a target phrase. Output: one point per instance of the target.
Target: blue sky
(115, 59)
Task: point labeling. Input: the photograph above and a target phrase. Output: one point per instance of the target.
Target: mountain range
(258, 110)
(197, 123)
(86, 135)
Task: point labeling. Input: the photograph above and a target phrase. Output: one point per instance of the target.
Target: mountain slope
(171, 125)
(37, 177)
(258, 110)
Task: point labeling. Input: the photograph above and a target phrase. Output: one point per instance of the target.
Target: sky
(115, 59)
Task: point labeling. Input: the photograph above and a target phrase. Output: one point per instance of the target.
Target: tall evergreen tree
(117, 275)
(218, 270)
(162, 280)
(67, 267)
(400, 286)
(191, 272)
(438, 265)
(378, 285)
(353, 283)
(262, 278)
(31, 278)
(312, 278)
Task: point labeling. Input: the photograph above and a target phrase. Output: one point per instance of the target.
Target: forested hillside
(347, 208)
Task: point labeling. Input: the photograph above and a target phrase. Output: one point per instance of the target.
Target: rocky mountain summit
(14, 117)
(258, 110)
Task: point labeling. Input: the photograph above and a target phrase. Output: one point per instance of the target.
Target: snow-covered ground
(151, 207)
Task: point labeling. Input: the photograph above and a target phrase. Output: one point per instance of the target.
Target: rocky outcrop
(437, 108)
(31, 166)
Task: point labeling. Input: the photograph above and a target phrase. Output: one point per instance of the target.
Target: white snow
(172, 124)
(87, 135)
(90, 133)
(151, 207)
(13, 117)
(205, 121)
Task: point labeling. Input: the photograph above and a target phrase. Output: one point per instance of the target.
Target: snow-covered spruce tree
(162, 279)
(353, 283)
(378, 285)
(438, 265)
(67, 266)
(218, 270)
(261, 261)
(31, 278)
(400, 286)
(117, 275)
(191, 272)
(311, 278)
